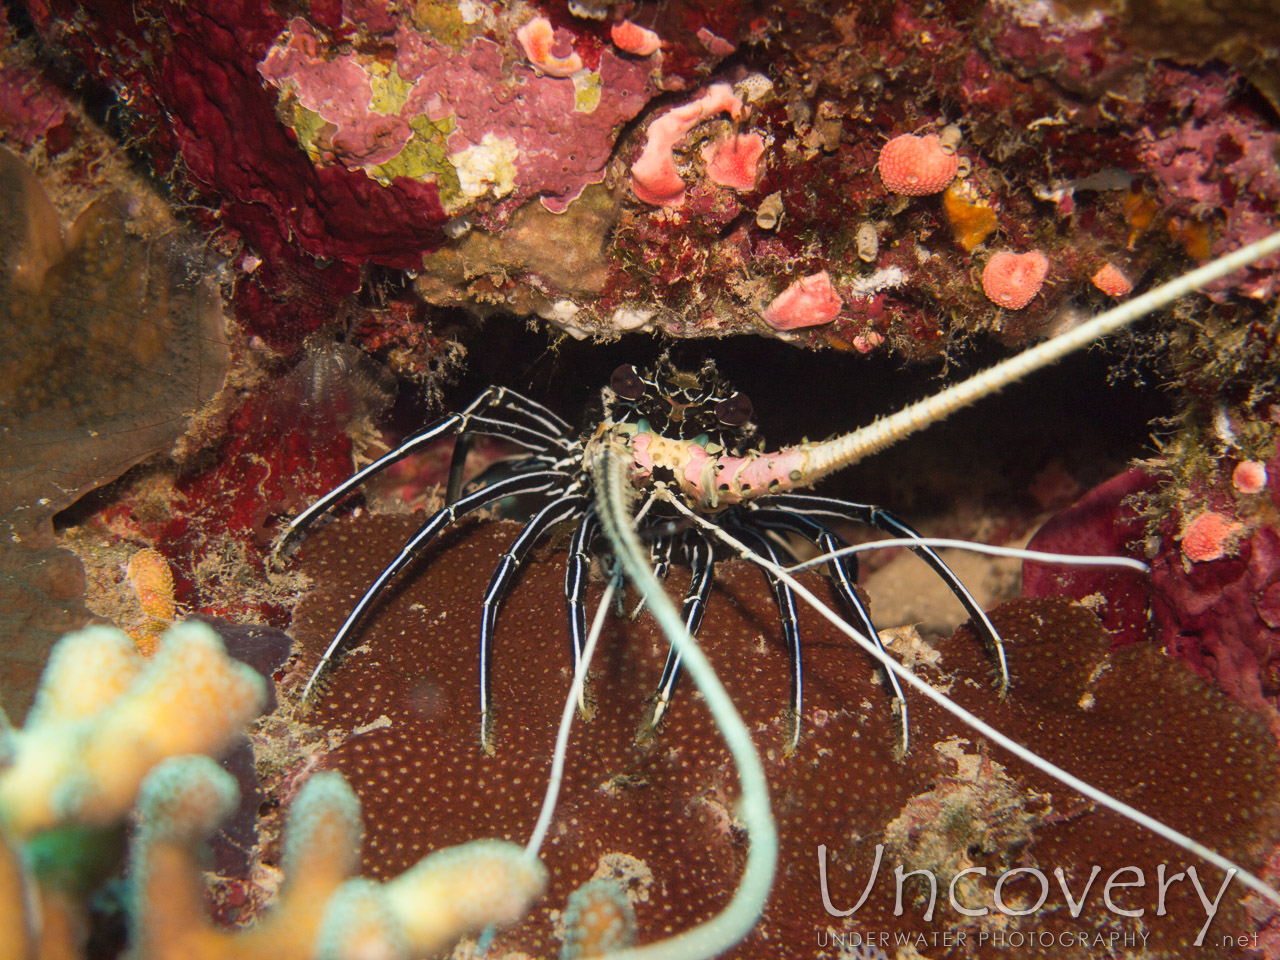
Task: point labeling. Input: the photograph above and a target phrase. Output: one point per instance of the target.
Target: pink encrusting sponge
(654, 177)
(633, 38)
(539, 41)
(1209, 536)
(917, 166)
(808, 302)
(734, 161)
(1011, 280)
(1111, 280)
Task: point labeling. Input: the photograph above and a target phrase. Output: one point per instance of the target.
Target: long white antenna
(611, 468)
(981, 726)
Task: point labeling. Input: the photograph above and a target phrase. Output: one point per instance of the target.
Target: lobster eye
(734, 411)
(626, 383)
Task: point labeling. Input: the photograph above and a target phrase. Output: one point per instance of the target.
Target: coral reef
(87, 388)
(371, 191)
(320, 911)
(107, 731)
(1213, 583)
(79, 373)
(1202, 512)
(657, 815)
(385, 135)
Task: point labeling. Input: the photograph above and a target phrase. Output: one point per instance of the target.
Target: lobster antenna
(980, 726)
(610, 466)
(991, 549)
(826, 458)
(577, 691)
(561, 751)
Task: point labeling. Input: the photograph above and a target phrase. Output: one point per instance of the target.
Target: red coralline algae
(383, 122)
(734, 161)
(1208, 536)
(1111, 280)
(1218, 158)
(808, 302)
(32, 109)
(654, 177)
(198, 97)
(1249, 476)
(466, 123)
(540, 45)
(1012, 280)
(1221, 616)
(633, 38)
(917, 166)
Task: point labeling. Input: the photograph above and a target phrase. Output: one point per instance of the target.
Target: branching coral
(110, 728)
(321, 911)
(104, 716)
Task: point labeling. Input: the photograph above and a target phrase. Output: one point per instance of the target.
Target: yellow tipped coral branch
(321, 912)
(104, 716)
(110, 728)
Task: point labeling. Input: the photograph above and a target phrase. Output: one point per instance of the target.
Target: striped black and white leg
(660, 555)
(570, 504)
(546, 481)
(786, 602)
(459, 423)
(881, 519)
(844, 576)
(701, 557)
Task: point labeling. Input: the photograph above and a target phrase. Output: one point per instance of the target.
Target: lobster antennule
(818, 460)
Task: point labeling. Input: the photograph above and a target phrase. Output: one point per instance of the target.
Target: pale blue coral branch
(610, 466)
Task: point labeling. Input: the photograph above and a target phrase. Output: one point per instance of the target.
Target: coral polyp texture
(1112, 281)
(657, 816)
